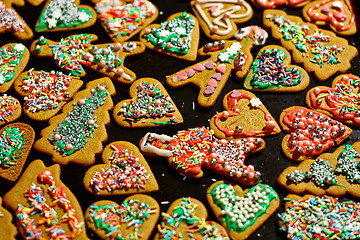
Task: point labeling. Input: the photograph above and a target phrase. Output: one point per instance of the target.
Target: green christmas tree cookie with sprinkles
(76, 135)
(335, 174)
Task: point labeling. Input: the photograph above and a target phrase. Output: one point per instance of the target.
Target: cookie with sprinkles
(177, 37)
(45, 93)
(134, 218)
(125, 171)
(278, 3)
(8, 230)
(310, 133)
(150, 105)
(13, 59)
(10, 109)
(244, 115)
(272, 71)
(341, 101)
(320, 52)
(44, 207)
(186, 219)
(334, 174)
(123, 19)
(76, 134)
(312, 217)
(240, 211)
(16, 141)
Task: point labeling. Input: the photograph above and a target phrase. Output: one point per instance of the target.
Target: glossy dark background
(270, 162)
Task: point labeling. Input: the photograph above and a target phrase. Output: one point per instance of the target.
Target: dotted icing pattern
(10, 20)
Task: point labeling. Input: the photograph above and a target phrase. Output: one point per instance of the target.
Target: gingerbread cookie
(16, 141)
(271, 72)
(10, 109)
(177, 37)
(45, 93)
(76, 134)
(75, 51)
(8, 230)
(242, 212)
(44, 207)
(340, 15)
(186, 219)
(320, 51)
(122, 19)
(310, 133)
(277, 3)
(334, 174)
(134, 218)
(150, 106)
(190, 150)
(63, 15)
(125, 171)
(244, 116)
(219, 18)
(13, 60)
(319, 217)
(340, 101)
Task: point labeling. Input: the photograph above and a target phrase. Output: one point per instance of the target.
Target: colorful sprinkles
(9, 20)
(10, 57)
(8, 106)
(11, 143)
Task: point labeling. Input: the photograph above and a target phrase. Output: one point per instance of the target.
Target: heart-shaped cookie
(134, 218)
(271, 71)
(150, 106)
(334, 174)
(218, 19)
(13, 60)
(242, 212)
(122, 20)
(186, 218)
(125, 171)
(177, 37)
(8, 230)
(278, 3)
(238, 120)
(341, 101)
(10, 109)
(310, 133)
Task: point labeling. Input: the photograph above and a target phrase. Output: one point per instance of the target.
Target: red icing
(277, 3)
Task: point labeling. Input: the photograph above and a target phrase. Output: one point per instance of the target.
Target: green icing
(11, 142)
(10, 57)
(348, 165)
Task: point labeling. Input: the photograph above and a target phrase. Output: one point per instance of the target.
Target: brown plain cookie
(76, 134)
(10, 109)
(134, 218)
(40, 202)
(150, 105)
(8, 230)
(17, 140)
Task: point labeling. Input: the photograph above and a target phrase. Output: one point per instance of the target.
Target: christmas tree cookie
(76, 135)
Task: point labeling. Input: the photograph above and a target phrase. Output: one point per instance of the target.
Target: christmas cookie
(13, 60)
(310, 133)
(76, 134)
(334, 174)
(44, 207)
(12, 22)
(177, 37)
(278, 3)
(64, 15)
(218, 19)
(321, 52)
(122, 20)
(8, 230)
(341, 101)
(150, 106)
(190, 150)
(244, 116)
(186, 219)
(125, 171)
(45, 93)
(75, 51)
(16, 141)
(271, 71)
(242, 212)
(134, 218)
(10, 109)
(340, 15)
(319, 217)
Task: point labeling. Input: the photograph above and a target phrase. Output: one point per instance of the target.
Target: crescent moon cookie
(10, 109)
(190, 150)
(76, 134)
(310, 133)
(219, 18)
(8, 230)
(277, 3)
(44, 207)
(321, 52)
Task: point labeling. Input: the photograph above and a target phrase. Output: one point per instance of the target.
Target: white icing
(258, 32)
(148, 148)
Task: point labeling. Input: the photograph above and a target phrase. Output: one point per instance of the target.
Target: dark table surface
(271, 162)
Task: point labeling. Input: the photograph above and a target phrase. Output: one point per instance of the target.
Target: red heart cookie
(8, 230)
(10, 109)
